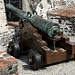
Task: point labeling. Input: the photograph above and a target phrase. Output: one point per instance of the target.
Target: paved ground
(63, 68)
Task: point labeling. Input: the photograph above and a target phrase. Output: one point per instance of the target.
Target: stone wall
(5, 31)
(3, 20)
(30, 5)
(44, 6)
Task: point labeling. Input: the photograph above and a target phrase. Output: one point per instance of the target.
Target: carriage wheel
(13, 49)
(34, 60)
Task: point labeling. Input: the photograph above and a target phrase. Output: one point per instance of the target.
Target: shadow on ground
(24, 57)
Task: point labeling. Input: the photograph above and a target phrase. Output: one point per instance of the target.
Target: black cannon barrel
(50, 28)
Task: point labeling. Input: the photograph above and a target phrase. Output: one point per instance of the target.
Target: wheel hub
(30, 60)
(10, 49)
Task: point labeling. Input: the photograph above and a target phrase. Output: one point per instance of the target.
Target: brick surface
(13, 23)
(65, 12)
(8, 64)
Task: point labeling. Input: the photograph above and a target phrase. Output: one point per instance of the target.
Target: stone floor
(63, 68)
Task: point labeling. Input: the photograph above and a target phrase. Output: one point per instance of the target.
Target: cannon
(43, 40)
(45, 26)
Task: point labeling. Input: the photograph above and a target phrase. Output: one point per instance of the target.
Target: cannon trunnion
(42, 39)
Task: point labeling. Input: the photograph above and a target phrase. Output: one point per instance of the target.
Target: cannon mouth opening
(55, 32)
